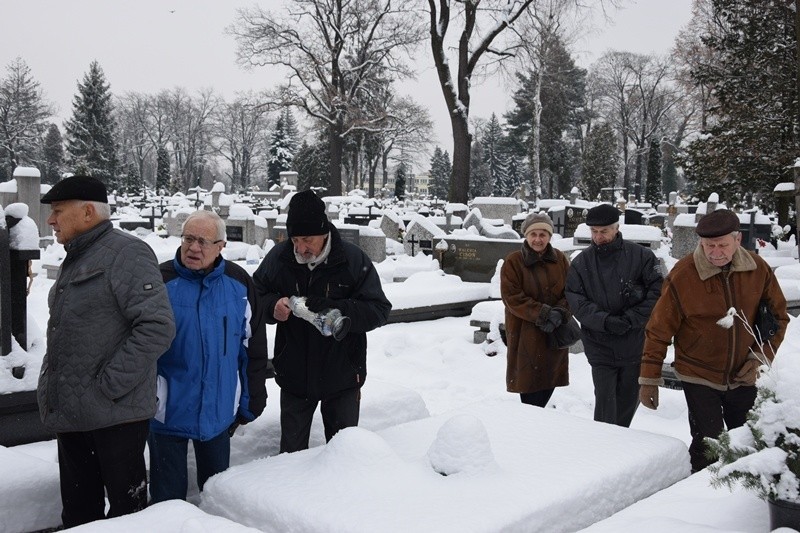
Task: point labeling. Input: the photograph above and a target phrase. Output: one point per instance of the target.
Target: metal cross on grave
(413, 240)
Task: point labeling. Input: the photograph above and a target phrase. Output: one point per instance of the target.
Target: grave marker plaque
(234, 233)
(573, 217)
(350, 235)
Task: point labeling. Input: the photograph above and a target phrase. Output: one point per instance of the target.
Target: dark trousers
(169, 478)
(338, 412)
(538, 398)
(99, 462)
(616, 393)
(708, 410)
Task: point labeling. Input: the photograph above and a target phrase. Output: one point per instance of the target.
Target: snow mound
(461, 446)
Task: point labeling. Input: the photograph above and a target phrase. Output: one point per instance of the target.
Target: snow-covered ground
(504, 459)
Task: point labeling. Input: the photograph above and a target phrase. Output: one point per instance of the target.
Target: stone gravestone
(419, 236)
(5, 289)
(371, 240)
(502, 208)
(566, 219)
(392, 225)
(634, 216)
(22, 237)
(472, 259)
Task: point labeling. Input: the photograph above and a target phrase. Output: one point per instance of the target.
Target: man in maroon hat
(717, 364)
(110, 320)
(310, 367)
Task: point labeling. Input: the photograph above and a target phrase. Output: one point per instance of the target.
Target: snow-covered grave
(170, 516)
(485, 467)
(29, 492)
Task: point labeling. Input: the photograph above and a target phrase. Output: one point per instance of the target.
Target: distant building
(420, 184)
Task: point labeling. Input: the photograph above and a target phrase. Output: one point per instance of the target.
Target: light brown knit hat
(537, 221)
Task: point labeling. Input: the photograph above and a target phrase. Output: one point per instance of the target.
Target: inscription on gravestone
(573, 217)
(350, 235)
(234, 233)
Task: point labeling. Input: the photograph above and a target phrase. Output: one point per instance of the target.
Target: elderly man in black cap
(110, 320)
(612, 287)
(316, 272)
(717, 363)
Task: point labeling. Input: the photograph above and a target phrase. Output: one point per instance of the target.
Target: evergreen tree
(23, 113)
(311, 165)
(132, 184)
(52, 156)
(751, 141)
(162, 170)
(494, 158)
(400, 181)
(669, 175)
(281, 150)
(480, 181)
(654, 194)
(91, 136)
(600, 161)
(440, 173)
(515, 178)
(563, 99)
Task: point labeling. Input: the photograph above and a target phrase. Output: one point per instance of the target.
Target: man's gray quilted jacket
(110, 320)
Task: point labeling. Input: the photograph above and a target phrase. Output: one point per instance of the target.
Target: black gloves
(617, 325)
(550, 319)
(240, 421)
(317, 304)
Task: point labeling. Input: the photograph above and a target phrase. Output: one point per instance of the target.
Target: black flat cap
(602, 215)
(77, 188)
(720, 222)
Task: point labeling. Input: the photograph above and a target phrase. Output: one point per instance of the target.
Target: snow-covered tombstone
(19, 244)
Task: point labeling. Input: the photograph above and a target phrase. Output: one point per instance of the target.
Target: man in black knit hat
(312, 368)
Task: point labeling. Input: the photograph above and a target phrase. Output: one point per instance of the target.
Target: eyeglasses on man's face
(189, 240)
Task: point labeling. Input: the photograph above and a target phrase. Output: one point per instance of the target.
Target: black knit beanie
(306, 215)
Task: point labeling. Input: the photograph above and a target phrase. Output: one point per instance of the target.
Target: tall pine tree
(162, 170)
(441, 167)
(53, 155)
(493, 157)
(91, 136)
(282, 148)
(600, 161)
(654, 195)
(563, 99)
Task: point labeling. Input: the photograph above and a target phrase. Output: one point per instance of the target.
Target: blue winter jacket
(215, 368)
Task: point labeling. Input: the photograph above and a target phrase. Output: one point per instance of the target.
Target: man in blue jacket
(611, 289)
(311, 368)
(212, 377)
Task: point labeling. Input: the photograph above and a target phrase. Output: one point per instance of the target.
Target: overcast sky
(149, 45)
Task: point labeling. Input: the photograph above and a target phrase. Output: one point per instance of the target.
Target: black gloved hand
(317, 304)
(617, 325)
(240, 421)
(556, 316)
(549, 320)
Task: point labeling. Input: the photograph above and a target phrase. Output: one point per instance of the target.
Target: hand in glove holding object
(648, 396)
(617, 325)
(552, 320)
(318, 304)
